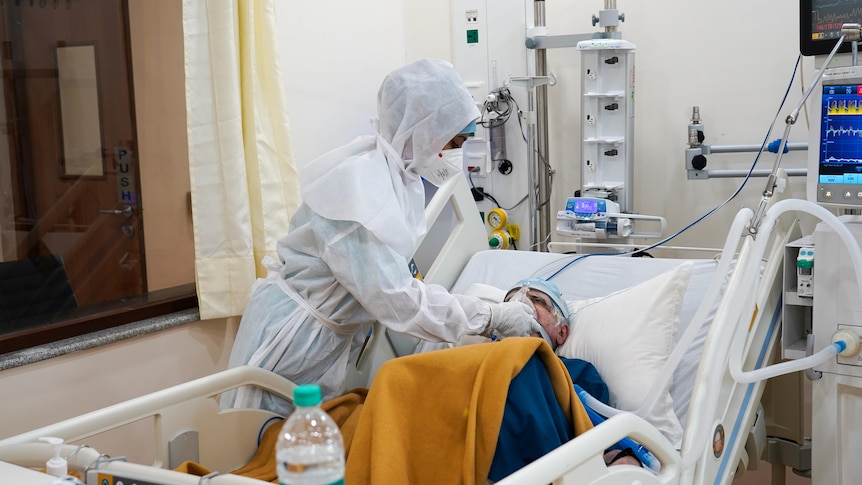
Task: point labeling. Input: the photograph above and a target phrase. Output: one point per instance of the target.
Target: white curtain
(243, 178)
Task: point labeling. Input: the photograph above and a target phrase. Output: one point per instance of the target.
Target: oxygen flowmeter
(502, 234)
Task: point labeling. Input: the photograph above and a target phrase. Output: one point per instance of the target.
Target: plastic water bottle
(310, 449)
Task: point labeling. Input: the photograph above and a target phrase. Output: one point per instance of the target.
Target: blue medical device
(644, 455)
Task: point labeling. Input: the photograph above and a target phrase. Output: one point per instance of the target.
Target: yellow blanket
(434, 417)
(428, 418)
(344, 410)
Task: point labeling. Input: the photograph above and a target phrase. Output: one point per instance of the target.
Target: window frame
(103, 317)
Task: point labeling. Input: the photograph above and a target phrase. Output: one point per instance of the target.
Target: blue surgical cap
(471, 128)
(549, 289)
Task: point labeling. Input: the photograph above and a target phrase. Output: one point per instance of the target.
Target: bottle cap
(307, 395)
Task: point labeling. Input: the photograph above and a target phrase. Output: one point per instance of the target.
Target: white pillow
(628, 336)
(490, 294)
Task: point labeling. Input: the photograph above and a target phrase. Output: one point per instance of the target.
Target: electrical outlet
(472, 16)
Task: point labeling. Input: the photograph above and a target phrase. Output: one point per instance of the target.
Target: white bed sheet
(595, 276)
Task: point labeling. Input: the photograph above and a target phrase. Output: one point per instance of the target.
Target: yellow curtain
(243, 178)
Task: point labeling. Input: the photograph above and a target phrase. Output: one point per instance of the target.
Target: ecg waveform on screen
(840, 131)
(818, 4)
(838, 13)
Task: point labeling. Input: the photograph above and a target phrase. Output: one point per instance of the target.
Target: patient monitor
(835, 139)
(834, 181)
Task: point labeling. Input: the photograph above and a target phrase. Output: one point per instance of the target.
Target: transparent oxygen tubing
(727, 256)
(709, 298)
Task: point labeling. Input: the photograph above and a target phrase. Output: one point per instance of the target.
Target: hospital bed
(719, 415)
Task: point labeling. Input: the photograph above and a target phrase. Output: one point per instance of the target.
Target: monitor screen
(820, 24)
(586, 206)
(839, 177)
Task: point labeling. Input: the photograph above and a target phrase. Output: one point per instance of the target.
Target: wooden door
(72, 148)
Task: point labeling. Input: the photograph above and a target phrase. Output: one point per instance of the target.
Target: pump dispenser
(55, 466)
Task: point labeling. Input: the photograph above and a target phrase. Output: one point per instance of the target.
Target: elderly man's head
(552, 313)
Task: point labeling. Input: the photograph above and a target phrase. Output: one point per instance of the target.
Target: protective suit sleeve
(379, 279)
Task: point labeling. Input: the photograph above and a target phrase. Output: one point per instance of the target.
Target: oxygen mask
(522, 296)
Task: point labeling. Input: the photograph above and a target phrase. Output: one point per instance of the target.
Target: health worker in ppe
(344, 262)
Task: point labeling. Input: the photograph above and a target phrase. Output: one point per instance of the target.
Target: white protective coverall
(344, 261)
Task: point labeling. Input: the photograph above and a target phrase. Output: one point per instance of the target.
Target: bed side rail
(467, 238)
(227, 438)
(723, 411)
(581, 460)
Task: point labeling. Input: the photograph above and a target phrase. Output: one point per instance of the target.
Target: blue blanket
(533, 423)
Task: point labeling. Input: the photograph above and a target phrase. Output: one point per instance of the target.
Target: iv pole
(543, 191)
(540, 190)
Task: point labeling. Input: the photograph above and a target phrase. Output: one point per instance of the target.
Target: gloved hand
(512, 319)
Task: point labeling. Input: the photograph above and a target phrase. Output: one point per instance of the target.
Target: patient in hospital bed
(552, 313)
(485, 410)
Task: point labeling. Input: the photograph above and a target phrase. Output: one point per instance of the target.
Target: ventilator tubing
(826, 353)
(775, 370)
(599, 407)
(750, 276)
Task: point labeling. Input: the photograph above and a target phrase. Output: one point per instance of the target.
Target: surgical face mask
(447, 164)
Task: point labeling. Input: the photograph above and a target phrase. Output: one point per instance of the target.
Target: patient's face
(547, 316)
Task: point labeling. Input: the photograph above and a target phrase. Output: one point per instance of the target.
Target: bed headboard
(455, 232)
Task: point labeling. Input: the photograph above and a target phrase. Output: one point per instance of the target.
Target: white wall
(732, 62)
(335, 54)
